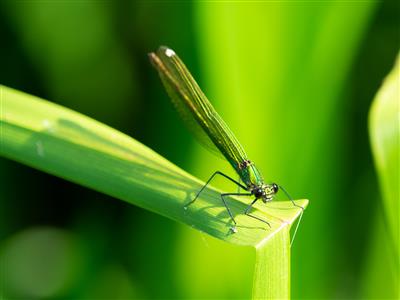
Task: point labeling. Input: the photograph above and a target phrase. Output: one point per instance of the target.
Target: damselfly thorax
(254, 181)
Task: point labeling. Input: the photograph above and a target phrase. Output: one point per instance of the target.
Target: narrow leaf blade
(67, 144)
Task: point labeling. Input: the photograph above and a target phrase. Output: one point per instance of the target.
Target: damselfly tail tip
(169, 52)
(165, 50)
(157, 56)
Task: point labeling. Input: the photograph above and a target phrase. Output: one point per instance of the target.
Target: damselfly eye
(258, 192)
(275, 187)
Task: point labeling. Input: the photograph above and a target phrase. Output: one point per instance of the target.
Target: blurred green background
(294, 81)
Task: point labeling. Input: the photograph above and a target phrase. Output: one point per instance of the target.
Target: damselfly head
(265, 192)
(269, 191)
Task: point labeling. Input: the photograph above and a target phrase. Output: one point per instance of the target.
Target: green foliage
(385, 142)
(293, 80)
(276, 73)
(69, 145)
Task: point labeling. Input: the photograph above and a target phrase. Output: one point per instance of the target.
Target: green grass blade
(272, 268)
(67, 144)
(385, 142)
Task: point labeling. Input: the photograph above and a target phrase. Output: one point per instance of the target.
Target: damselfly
(195, 109)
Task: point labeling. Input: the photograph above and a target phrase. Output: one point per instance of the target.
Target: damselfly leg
(290, 198)
(222, 195)
(301, 215)
(227, 207)
(247, 212)
(209, 180)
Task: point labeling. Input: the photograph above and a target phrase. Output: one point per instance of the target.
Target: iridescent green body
(205, 122)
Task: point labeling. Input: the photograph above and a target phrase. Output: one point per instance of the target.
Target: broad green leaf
(67, 144)
(384, 128)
